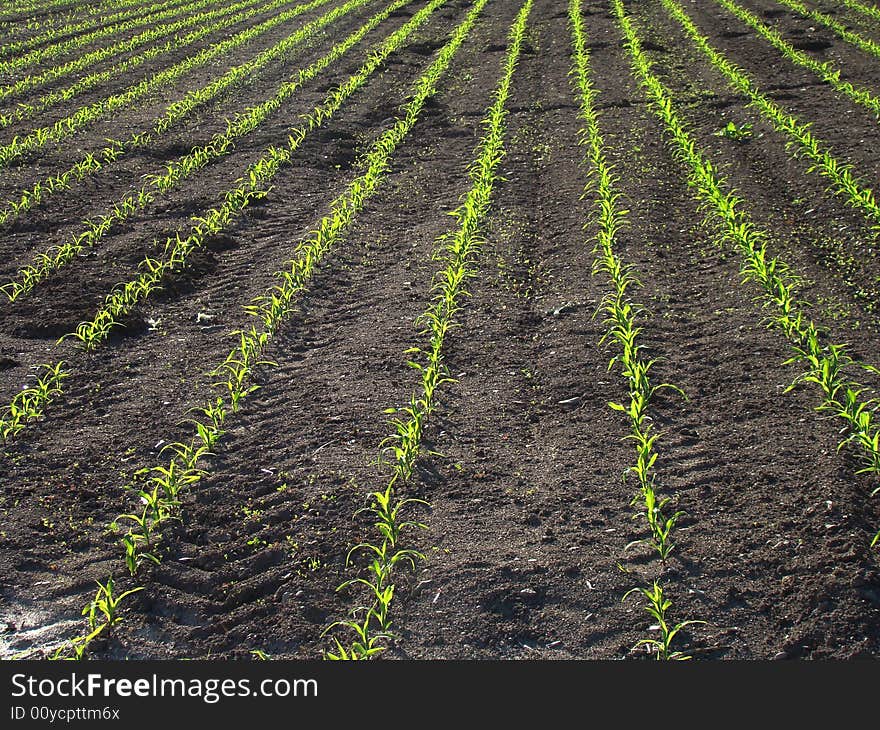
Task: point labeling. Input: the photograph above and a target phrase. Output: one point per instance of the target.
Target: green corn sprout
(800, 141)
(870, 11)
(28, 404)
(658, 607)
(106, 604)
(621, 313)
(84, 61)
(122, 300)
(88, 114)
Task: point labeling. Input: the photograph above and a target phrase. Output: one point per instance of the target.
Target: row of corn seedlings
(272, 308)
(86, 115)
(254, 185)
(621, 312)
(370, 624)
(177, 111)
(24, 13)
(89, 25)
(800, 141)
(867, 9)
(27, 7)
(622, 315)
(28, 403)
(825, 70)
(155, 186)
(206, 22)
(826, 365)
(841, 29)
(40, 56)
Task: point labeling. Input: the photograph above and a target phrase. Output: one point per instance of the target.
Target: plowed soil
(530, 523)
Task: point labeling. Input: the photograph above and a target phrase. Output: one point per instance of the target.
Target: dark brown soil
(530, 514)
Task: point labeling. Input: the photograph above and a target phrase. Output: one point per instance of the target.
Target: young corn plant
(40, 49)
(105, 604)
(88, 59)
(658, 605)
(778, 285)
(859, 41)
(867, 9)
(84, 27)
(371, 624)
(29, 403)
(621, 314)
(736, 132)
(186, 166)
(174, 113)
(102, 613)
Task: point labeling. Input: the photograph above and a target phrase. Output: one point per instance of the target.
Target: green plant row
(253, 186)
(622, 313)
(166, 482)
(155, 186)
(22, 10)
(800, 141)
(825, 364)
(177, 111)
(206, 22)
(28, 403)
(871, 11)
(40, 56)
(370, 624)
(824, 70)
(127, 15)
(851, 37)
(86, 115)
(74, 6)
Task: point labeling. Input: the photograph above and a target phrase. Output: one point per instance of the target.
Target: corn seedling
(867, 9)
(851, 37)
(240, 364)
(28, 404)
(265, 168)
(382, 559)
(87, 115)
(177, 111)
(658, 607)
(800, 141)
(102, 612)
(106, 604)
(736, 132)
(41, 48)
(124, 297)
(86, 60)
(77, 646)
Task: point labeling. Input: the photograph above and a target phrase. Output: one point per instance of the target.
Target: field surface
(449, 329)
